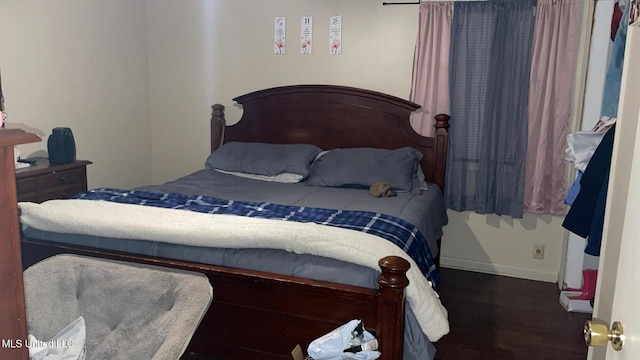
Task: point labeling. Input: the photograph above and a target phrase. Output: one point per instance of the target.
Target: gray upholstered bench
(131, 311)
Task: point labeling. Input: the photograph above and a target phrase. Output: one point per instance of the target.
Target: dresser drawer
(62, 178)
(60, 192)
(32, 196)
(43, 181)
(27, 185)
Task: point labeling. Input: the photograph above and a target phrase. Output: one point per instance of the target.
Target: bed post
(390, 328)
(440, 138)
(13, 322)
(218, 123)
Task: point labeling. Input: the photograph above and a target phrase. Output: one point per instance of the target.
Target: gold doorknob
(597, 334)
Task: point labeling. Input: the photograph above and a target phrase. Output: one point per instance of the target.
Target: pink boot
(589, 277)
(584, 276)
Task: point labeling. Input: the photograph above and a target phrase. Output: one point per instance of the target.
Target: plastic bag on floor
(349, 341)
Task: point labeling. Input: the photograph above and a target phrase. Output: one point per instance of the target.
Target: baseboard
(503, 270)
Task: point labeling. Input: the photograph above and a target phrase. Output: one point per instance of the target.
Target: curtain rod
(402, 3)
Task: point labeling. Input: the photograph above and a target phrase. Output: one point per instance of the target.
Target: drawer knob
(63, 178)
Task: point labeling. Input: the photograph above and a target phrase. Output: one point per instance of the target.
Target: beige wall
(83, 65)
(502, 245)
(203, 52)
(167, 61)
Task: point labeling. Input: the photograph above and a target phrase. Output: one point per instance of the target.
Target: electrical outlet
(538, 251)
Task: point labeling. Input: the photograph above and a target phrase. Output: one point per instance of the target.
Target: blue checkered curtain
(490, 62)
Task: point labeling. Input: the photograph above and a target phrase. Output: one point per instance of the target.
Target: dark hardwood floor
(503, 318)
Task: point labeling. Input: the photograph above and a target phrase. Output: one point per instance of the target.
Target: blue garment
(611, 95)
(595, 232)
(574, 189)
(586, 216)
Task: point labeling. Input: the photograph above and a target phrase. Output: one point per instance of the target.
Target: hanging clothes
(615, 20)
(586, 216)
(574, 189)
(613, 78)
(580, 147)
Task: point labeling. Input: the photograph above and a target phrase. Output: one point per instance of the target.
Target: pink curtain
(555, 49)
(430, 87)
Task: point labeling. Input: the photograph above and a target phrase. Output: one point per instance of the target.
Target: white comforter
(101, 218)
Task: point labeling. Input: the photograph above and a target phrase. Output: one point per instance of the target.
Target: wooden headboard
(331, 116)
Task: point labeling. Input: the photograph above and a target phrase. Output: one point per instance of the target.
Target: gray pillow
(263, 159)
(361, 167)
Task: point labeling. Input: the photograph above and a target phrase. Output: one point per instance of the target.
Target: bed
(278, 286)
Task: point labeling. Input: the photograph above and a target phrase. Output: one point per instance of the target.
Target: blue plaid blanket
(400, 232)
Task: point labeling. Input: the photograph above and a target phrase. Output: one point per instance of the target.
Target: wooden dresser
(42, 181)
(13, 315)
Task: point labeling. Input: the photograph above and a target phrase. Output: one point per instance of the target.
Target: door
(618, 288)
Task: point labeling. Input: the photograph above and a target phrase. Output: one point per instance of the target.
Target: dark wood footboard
(258, 315)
